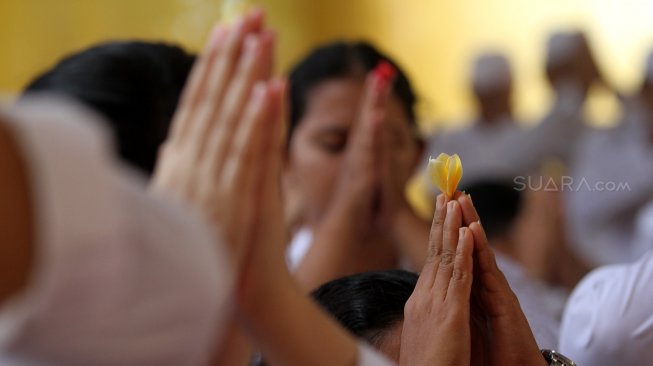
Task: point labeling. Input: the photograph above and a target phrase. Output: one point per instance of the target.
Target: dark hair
(498, 204)
(338, 60)
(134, 85)
(368, 304)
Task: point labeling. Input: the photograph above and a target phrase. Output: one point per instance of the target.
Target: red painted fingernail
(384, 73)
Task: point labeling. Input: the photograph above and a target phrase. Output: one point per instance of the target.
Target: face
(319, 142)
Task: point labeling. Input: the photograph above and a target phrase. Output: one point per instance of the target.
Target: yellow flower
(445, 172)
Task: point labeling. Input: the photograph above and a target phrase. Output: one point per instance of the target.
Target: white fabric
(121, 277)
(601, 222)
(298, 247)
(508, 150)
(534, 300)
(368, 356)
(609, 317)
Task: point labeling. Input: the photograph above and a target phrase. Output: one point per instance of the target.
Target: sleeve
(367, 356)
(608, 318)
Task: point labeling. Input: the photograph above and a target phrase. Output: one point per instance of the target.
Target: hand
(397, 219)
(511, 341)
(357, 188)
(338, 245)
(436, 327)
(215, 156)
(397, 157)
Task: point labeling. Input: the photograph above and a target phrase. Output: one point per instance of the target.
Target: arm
(225, 160)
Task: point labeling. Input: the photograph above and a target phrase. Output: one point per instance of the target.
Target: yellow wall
(433, 39)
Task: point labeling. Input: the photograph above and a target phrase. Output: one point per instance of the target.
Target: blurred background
(435, 40)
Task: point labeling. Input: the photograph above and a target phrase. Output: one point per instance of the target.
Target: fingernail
(251, 41)
(470, 198)
(217, 33)
(450, 206)
(461, 232)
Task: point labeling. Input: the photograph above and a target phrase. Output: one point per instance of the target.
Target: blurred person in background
(481, 144)
(348, 172)
(496, 147)
(611, 179)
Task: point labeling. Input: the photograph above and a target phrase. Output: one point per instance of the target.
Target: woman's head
(370, 305)
(325, 91)
(134, 85)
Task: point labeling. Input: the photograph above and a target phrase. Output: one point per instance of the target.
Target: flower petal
(445, 172)
(437, 173)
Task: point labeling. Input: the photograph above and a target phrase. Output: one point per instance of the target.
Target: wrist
(255, 293)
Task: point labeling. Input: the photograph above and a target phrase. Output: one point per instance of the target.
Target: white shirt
(121, 277)
(611, 178)
(534, 298)
(609, 317)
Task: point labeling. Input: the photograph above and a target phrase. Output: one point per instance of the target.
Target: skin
(350, 159)
(443, 291)
(17, 244)
(390, 343)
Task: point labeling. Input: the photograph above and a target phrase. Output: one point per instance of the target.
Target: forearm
(235, 348)
(285, 324)
(331, 254)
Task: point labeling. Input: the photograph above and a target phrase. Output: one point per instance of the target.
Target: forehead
(336, 102)
(335, 97)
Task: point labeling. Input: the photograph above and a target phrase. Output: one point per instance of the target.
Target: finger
(492, 278)
(368, 109)
(219, 80)
(469, 211)
(268, 48)
(249, 71)
(271, 183)
(197, 83)
(451, 230)
(363, 157)
(237, 180)
(427, 277)
(460, 286)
